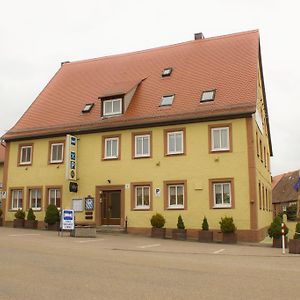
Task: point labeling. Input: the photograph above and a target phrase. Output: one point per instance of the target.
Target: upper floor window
(112, 107)
(54, 196)
(25, 155)
(220, 139)
(57, 152)
(175, 142)
(35, 198)
(142, 145)
(111, 147)
(167, 100)
(208, 96)
(16, 199)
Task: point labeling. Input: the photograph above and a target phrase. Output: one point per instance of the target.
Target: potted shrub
(31, 221)
(294, 244)
(1, 219)
(158, 222)
(274, 232)
(180, 232)
(228, 229)
(205, 235)
(52, 217)
(19, 219)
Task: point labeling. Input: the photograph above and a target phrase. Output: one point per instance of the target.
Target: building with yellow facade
(180, 129)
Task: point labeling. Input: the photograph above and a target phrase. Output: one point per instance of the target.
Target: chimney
(199, 36)
(64, 62)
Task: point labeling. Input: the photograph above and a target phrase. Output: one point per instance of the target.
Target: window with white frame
(57, 153)
(35, 199)
(112, 107)
(54, 196)
(25, 155)
(167, 100)
(142, 197)
(111, 148)
(176, 196)
(142, 145)
(222, 194)
(175, 142)
(16, 199)
(220, 139)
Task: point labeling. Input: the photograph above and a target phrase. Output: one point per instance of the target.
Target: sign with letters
(67, 219)
(71, 157)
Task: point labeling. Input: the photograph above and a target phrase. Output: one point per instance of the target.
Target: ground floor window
(35, 198)
(54, 196)
(16, 199)
(221, 193)
(141, 196)
(175, 194)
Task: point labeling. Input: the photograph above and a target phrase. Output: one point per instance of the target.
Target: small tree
(205, 224)
(297, 232)
(227, 225)
(274, 230)
(180, 223)
(52, 214)
(31, 216)
(20, 214)
(157, 221)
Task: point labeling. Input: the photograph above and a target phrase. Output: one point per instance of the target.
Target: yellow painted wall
(197, 167)
(1, 180)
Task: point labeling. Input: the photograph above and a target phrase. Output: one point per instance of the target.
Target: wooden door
(111, 208)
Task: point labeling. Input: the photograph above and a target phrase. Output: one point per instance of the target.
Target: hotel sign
(71, 155)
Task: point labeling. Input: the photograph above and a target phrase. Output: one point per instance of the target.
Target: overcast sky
(36, 36)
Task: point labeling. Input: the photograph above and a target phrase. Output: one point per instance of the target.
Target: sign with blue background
(67, 219)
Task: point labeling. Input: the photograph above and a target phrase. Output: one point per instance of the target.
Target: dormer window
(88, 107)
(208, 96)
(112, 107)
(166, 72)
(167, 100)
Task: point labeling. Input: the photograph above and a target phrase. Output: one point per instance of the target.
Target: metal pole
(283, 238)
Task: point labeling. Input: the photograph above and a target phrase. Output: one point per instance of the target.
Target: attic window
(112, 107)
(167, 100)
(88, 107)
(166, 72)
(208, 96)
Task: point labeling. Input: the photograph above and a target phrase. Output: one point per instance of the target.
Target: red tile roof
(228, 64)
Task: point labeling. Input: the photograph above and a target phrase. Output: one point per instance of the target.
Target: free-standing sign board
(67, 219)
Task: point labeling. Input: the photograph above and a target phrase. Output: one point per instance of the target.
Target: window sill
(139, 157)
(56, 162)
(220, 207)
(110, 158)
(175, 208)
(141, 208)
(220, 151)
(174, 154)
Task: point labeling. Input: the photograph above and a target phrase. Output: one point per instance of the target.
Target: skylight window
(166, 72)
(167, 100)
(208, 96)
(88, 107)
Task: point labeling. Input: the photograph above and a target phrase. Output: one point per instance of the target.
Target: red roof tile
(228, 64)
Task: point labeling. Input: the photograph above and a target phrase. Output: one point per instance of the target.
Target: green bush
(52, 214)
(180, 223)
(31, 216)
(291, 212)
(227, 225)
(297, 232)
(205, 224)
(158, 221)
(274, 230)
(1, 212)
(20, 214)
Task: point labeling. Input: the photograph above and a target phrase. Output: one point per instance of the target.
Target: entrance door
(111, 208)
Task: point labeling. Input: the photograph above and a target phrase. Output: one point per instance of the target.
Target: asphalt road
(41, 265)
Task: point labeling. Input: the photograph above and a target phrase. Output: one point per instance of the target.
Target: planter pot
(19, 223)
(277, 242)
(31, 224)
(53, 227)
(1, 221)
(179, 234)
(158, 232)
(205, 236)
(294, 246)
(229, 238)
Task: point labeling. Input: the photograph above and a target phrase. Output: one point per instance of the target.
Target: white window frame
(22, 162)
(105, 148)
(168, 143)
(34, 199)
(222, 205)
(169, 99)
(176, 206)
(208, 96)
(55, 196)
(18, 191)
(62, 153)
(143, 150)
(143, 187)
(219, 129)
(113, 113)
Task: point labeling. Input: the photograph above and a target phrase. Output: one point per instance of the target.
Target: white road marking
(149, 246)
(25, 234)
(89, 241)
(218, 251)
